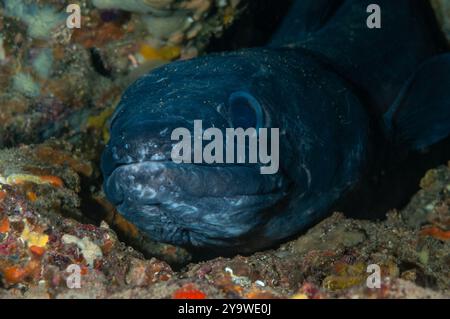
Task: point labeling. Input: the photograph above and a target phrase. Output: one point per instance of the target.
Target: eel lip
(155, 182)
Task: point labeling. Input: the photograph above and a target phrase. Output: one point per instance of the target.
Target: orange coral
(189, 291)
(435, 232)
(4, 225)
(37, 251)
(84, 270)
(14, 274)
(52, 180)
(32, 196)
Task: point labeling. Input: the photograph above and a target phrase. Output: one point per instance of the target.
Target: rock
(89, 250)
(442, 10)
(431, 203)
(57, 81)
(144, 273)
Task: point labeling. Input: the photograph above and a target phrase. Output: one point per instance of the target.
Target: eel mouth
(154, 182)
(191, 204)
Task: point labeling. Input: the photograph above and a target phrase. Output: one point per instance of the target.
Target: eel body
(339, 92)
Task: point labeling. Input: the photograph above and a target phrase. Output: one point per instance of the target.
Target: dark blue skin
(334, 88)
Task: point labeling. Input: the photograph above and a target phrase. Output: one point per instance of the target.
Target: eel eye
(245, 111)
